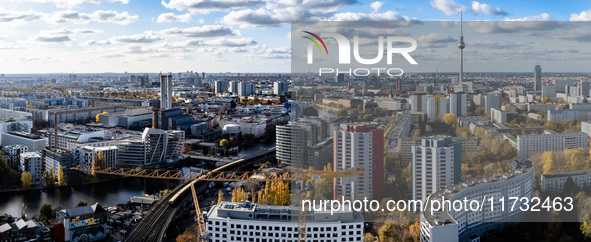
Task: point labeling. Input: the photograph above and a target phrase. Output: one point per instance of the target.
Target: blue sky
(80, 36)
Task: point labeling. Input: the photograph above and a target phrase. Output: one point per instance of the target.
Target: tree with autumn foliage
(450, 119)
(238, 194)
(276, 193)
(220, 197)
(26, 179)
(61, 177)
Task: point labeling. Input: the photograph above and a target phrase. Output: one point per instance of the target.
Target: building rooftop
(4, 228)
(572, 173)
(25, 135)
(254, 212)
(20, 224)
(439, 218)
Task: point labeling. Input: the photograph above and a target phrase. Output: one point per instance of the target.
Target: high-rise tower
(461, 45)
(166, 91)
(538, 78)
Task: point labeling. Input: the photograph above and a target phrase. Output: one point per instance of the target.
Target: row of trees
(276, 192)
(48, 176)
(492, 158)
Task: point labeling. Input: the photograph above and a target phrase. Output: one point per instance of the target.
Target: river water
(106, 193)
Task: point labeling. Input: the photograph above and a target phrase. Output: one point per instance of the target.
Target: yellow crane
(231, 176)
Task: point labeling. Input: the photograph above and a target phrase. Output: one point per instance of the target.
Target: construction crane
(231, 176)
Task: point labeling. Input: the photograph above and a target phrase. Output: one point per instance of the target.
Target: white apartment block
(418, 103)
(251, 222)
(493, 100)
(66, 139)
(527, 145)
(83, 155)
(498, 116)
(12, 125)
(458, 104)
(462, 225)
(31, 162)
(437, 106)
(554, 183)
(54, 158)
(34, 143)
(13, 154)
(478, 120)
(569, 114)
(436, 164)
(359, 145)
(155, 146)
(586, 128)
(291, 143)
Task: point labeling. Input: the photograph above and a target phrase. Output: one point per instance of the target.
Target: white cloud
(486, 9)
(65, 30)
(281, 12)
(171, 17)
(436, 38)
(583, 16)
(71, 3)
(146, 37)
(376, 5)
(230, 42)
(539, 17)
(60, 35)
(100, 16)
(385, 16)
(96, 42)
(254, 18)
(18, 17)
(203, 31)
(53, 38)
(450, 7)
(205, 6)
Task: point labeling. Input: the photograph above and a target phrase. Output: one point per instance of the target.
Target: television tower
(461, 46)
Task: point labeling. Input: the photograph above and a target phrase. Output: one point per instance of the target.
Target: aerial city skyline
(119, 36)
(337, 120)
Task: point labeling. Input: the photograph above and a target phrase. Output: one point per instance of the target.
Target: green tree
(26, 179)
(4, 165)
(46, 211)
(49, 177)
(561, 101)
(61, 178)
(570, 188)
(310, 111)
(81, 203)
(225, 144)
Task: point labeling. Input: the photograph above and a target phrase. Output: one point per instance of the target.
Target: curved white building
(465, 225)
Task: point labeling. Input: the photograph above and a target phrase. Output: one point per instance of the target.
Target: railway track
(154, 225)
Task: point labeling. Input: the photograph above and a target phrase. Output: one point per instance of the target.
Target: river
(106, 193)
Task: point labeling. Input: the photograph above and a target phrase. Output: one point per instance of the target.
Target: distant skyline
(212, 36)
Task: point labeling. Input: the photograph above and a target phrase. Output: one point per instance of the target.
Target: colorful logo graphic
(319, 39)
